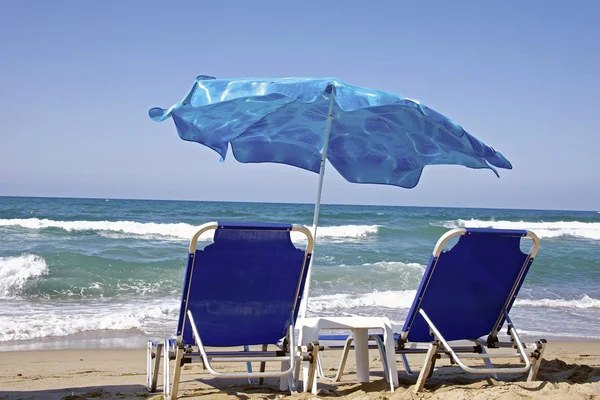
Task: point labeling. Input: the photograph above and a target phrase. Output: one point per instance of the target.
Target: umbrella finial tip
(157, 114)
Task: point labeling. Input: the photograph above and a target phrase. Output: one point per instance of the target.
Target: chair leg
(537, 354)
(263, 365)
(153, 365)
(384, 361)
(292, 384)
(290, 380)
(429, 359)
(407, 368)
(488, 363)
(248, 366)
(149, 357)
(172, 393)
(297, 371)
(166, 372)
(159, 353)
(312, 369)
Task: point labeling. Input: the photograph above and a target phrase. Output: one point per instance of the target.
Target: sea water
(109, 273)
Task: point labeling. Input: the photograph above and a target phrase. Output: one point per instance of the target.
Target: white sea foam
(182, 231)
(404, 299)
(347, 231)
(556, 333)
(585, 302)
(387, 299)
(391, 266)
(15, 272)
(128, 287)
(26, 321)
(588, 230)
(179, 230)
(46, 321)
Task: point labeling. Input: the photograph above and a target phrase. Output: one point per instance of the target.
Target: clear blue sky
(78, 77)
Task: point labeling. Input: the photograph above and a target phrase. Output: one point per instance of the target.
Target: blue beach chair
(241, 290)
(466, 295)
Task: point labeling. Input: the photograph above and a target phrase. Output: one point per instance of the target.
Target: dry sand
(570, 370)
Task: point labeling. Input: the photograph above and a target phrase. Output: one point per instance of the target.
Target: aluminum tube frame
(479, 370)
(170, 391)
(213, 226)
(427, 366)
(291, 358)
(232, 358)
(531, 255)
(246, 354)
(153, 364)
(538, 347)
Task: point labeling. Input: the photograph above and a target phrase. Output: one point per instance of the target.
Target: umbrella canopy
(369, 136)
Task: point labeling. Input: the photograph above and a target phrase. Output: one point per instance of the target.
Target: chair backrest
(465, 290)
(245, 287)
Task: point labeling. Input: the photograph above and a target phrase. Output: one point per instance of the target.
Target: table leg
(361, 351)
(390, 352)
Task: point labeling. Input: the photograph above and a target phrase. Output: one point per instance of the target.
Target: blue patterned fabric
(376, 136)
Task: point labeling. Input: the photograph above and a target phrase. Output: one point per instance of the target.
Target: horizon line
(287, 202)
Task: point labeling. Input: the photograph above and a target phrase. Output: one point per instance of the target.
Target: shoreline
(132, 340)
(569, 370)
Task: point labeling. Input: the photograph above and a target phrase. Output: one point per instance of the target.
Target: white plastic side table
(309, 332)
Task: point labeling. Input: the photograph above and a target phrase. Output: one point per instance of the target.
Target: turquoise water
(73, 268)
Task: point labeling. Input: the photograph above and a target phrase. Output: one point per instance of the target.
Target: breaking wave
(587, 230)
(404, 299)
(177, 231)
(71, 319)
(585, 302)
(16, 272)
(386, 299)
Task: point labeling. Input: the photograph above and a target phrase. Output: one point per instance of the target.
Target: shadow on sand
(203, 386)
(80, 393)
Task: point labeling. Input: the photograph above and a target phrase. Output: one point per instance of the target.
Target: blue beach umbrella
(368, 136)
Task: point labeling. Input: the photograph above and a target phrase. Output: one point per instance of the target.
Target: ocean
(108, 272)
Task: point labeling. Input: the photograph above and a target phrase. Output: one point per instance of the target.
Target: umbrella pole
(318, 203)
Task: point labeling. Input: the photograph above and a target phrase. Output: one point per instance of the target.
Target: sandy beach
(569, 370)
